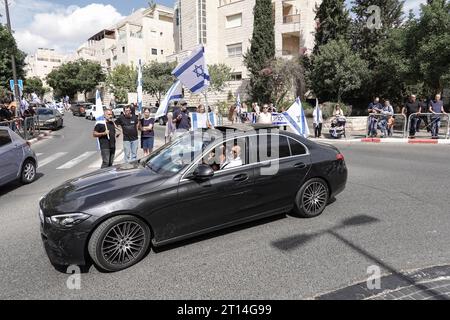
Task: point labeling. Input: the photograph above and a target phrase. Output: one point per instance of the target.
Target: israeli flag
(98, 112)
(238, 104)
(175, 93)
(193, 72)
(199, 120)
(139, 87)
(296, 119)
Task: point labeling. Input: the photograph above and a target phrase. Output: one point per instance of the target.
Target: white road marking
(39, 154)
(77, 160)
(51, 158)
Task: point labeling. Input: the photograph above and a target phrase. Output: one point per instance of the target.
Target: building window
(234, 50)
(154, 52)
(162, 52)
(123, 49)
(201, 16)
(236, 76)
(234, 21)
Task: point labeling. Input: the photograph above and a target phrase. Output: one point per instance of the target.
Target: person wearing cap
(181, 117)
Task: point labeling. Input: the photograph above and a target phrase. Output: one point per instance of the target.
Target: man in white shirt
(318, 121)
(235, 160)
(265, 116)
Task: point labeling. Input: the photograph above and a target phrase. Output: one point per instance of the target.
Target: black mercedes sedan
(200, 182)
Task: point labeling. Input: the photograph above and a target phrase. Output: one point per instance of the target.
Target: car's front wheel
(119, 243)
(312, 198)
(28, 173)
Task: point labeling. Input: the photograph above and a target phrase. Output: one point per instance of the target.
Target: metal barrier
(26, 128)
(395, 116)
(432, 121)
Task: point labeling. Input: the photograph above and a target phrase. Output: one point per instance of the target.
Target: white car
(118, 110)
(60, 108)
(90, 111)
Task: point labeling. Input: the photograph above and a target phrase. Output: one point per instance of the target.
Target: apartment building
(225, 28)
(146, 34)
(42, 62)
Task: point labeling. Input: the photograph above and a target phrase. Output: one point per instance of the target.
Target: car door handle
(240, 177)
(300, 165)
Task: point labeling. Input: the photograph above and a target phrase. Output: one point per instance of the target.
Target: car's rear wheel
(312, 198)
(28, 173)
(119, 243)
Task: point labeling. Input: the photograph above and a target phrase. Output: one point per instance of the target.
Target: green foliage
(157, 78)
(223, 107)
(77, 76)
(219, 74)
(333, 22)
(261, 51)
(35, 85)
(337, 72)
(121, 80)
(8, 47)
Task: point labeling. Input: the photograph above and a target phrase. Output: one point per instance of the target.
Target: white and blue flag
(296, 119)
(98, 111)
(139, 87)
(175, 93)
(193, 72)
(238, 104)
(200, 120)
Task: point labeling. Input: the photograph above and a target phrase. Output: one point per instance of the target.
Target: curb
(40, 136)
(386, 140)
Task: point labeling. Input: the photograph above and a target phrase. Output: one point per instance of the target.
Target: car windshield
(173, 157)
(45, 112)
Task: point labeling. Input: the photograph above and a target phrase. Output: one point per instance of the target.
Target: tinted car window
(272, 147)
(297, 148)
(4, 138)
(45, 112)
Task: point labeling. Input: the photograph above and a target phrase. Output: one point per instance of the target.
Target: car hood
(100, 187)
(46, 117)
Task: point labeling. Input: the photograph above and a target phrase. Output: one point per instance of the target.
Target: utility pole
(13, 62)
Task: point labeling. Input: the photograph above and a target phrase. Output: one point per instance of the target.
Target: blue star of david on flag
(193, 72)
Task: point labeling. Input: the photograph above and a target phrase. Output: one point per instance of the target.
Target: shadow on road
(294, 242)
(13, 185)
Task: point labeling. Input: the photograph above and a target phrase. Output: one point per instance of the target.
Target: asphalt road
(394, 214)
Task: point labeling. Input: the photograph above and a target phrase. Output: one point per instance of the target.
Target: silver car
(17, 160)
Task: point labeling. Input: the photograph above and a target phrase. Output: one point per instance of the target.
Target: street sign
(11, 85)
(20, 83)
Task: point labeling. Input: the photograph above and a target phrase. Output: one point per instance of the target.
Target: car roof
(245, 127)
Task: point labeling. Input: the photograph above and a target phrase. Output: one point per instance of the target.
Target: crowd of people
(415, 112)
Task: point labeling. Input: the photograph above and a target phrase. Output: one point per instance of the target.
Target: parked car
(90, 110)
(114, 215)
(118, 110)
(60, 108)
(79, 108)
(163, 120)
(17, 160)
(49, 118)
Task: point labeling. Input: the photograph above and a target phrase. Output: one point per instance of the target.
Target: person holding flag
(105, 132)
(317, 120)
(296, 119)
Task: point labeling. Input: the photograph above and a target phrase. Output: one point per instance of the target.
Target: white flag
(193, 72)
(98, 112)
(296, 119)
(175, 93)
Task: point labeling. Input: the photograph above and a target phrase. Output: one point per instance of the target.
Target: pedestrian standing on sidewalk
(424, 109)
(129, 123)
(181, 118)
(387, 112)
(106, 135)
(373, 109)
(318, 121)
(265, 116)
(436, 108)
(412, 109)
(147, 133)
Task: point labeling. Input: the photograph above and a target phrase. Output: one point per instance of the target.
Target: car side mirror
(203, 172)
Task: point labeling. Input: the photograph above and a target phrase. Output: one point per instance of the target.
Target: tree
(89, 76)
(429, 40)
(8, 47)
(157, 78)
(262, 50)
(121, 80)
(333, 22)
(219, 74)
(77, 76)
(286, 75)
(336, 71)
(35, 85)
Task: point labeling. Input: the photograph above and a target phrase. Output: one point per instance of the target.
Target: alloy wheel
(314, 198)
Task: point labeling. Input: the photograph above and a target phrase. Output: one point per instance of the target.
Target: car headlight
(68, 220)
(51, 120)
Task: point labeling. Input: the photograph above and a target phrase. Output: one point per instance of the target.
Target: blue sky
(65, 24)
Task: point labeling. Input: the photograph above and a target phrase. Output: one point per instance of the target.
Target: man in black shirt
(129, 123)
(412, 107)
(181, 117)
(424, 109)
(106, 135)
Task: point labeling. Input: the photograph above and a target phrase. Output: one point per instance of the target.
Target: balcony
(291, 18)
